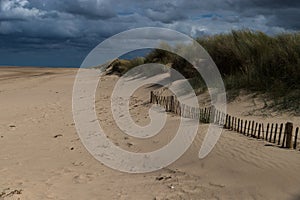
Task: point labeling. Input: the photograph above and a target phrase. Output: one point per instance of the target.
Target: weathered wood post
(180, 109)
(241, 128)
(151, 97)
(296, 137)
(234, 124)
(271, 132)
(252, 129)
(255, 131)
(259, 129)
(223, 119)
(263, 131)
(212, 115)
(175, 106)
(245, 127)
(280, 133)
(172, 106)
(275, 133)
(288, 133)
(267, 131)
(226, 121)
(209, 115)
(235, 121)
(249, 125)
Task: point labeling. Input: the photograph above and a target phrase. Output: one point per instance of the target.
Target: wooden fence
(283, 135)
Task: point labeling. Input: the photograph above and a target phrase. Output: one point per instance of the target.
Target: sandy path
(41, 156)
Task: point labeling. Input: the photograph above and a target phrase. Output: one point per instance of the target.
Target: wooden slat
(296, 137)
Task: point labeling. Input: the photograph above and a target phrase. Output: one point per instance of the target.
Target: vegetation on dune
(257, 62)
(247, 60)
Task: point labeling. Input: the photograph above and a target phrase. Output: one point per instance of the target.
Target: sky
(63, 32)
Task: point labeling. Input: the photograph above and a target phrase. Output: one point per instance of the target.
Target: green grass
(257, 62)
(247, 60)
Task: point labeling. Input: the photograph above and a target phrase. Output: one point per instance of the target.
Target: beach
(42, 157)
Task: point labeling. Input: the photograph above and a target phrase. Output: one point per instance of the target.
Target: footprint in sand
(83, 178)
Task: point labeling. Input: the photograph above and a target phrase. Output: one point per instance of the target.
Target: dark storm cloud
(91, 9)
(279, 13)
(57, 25)
(268, 4)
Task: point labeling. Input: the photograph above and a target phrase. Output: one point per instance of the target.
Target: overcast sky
(62, 32)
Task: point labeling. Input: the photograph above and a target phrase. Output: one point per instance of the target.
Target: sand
(42, 157)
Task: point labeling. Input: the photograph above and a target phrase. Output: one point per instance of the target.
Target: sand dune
(42, 157)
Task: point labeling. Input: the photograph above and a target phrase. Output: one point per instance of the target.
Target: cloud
(91, 9)
(165, 17)
(17, 10)
(52, 25)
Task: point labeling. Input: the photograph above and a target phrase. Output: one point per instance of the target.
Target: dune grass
(247, 60)
(257, 62)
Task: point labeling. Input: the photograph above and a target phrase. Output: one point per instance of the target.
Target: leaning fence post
(296, 137)
(288, 132)
(252, 129)
(259, 129)
(275, 133)
(263, 131)
(172, 107)
(255, 131)
(226, 121)
(241, 128)
(245, 127)
(280, 133)
(271, 132)
(249, 125)
(267, 132)
(212, 115)
(151, 96)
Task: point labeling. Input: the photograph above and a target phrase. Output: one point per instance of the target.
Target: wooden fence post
(241, 128)
(263, 131)
(249, 125)
(252, 129)
(219, 117)
(172, 107)
(267, 131)
(245, 127)
(296, 137)
(212, 115)
(226, 121)
(209, 115)
(151, 96)
(280, 132)
(259, 129)
(275, 133)
(180, 109)
(271, 132)
(288, 132)
(222, 118)
(255, 131)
